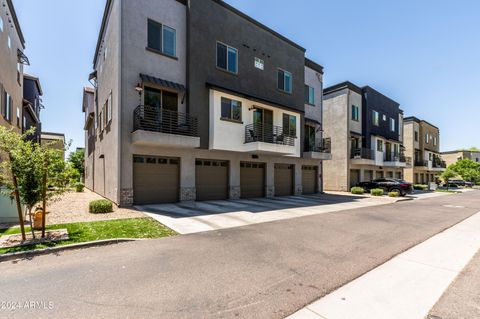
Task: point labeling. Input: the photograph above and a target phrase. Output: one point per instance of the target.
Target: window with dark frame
(284, 81)
(355, 113)
(231, 110)
(376, 118)
(309, 95)
(162, 38)
(289, 125)
(227, 58)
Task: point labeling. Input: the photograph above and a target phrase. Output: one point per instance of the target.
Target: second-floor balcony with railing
(439, 163)
(267, 133)
(362, 153)
(322, 151)
(162, 127)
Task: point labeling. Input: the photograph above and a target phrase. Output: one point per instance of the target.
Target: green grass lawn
(99, 230)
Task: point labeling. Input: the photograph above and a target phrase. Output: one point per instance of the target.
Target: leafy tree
(468, 169)
(34, 173)
(77, 160)
(447, 175)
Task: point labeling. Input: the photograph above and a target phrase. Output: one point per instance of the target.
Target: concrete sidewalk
(408, 285)
(195, 217)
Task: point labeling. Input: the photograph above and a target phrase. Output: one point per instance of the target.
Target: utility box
(432, 186)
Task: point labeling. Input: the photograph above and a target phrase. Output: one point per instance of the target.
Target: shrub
(477, 183)
(357, 190)
(79, 187)
(420, 187)
(376, 192)
(101, 206)
(393, 194)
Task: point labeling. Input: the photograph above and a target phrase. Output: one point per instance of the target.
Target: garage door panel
(283, 179)
(211, 179)
(252, 180)
(309, 179)
(155, 180)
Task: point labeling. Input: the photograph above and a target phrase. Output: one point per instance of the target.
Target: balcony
(319, 152)
(421, 163)
(263, 138)
(395, 160)
(154, 126)
(362, 156)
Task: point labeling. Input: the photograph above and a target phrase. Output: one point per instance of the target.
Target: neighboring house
(32, 104)
(54, 140)
(454, 156)
(200, 102)
(365, 128)
(422, 144)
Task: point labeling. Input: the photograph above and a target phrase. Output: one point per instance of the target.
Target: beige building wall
(336, 172)
(409, 129)
(11, 73)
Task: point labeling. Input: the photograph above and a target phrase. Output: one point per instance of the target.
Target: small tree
(77, 160)
(468, 169)
(447, 174)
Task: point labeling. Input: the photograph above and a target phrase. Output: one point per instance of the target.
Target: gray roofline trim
(253, 98)
(313, 65)
(416, 119)
(15, 21)
(258, 24)
(54, 134)
(341, 86)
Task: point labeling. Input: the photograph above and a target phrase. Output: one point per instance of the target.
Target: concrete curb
(46, 251)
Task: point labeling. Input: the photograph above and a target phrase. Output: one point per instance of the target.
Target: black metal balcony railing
(154, 119)
(268, 134)
(438, 163)
(395, 158)
(363, 153)
(325, 147)
(421, 163)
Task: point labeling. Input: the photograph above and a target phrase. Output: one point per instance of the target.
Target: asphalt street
(267, 270)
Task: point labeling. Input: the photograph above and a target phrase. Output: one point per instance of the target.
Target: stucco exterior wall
(409, 129)
(106, 166)
(336, 125)
(355, 99)
(8, 68)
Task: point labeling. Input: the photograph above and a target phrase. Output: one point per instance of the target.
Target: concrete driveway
(194, 217)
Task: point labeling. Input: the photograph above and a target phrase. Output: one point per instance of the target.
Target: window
(162, 38)
(355, 113)
(284, 81)
(105, 53)
(309, 95)
(392, 125)
(7, 106)
(380, 145)
(227, 57)
(1, 24)
(18, 117)
(231, 110)
(289, 125)
(376, 118)
(396, 150)
(426, 138)
(416, 136)
(259, 64)
(9, 42)
(109, 109)
(435, 141)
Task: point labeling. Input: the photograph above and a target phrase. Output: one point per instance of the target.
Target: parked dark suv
(389, 185)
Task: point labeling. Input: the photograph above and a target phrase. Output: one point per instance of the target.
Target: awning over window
(163, 83)
(22, 58)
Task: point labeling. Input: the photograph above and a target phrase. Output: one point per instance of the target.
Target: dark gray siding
(210, 22)
(375, 101)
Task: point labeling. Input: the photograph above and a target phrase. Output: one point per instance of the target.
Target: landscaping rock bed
(15, 240)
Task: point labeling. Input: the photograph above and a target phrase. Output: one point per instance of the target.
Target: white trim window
(227, 58)
(379, 145)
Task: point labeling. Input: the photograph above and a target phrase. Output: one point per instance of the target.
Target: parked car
(460, 183)
(389, 185)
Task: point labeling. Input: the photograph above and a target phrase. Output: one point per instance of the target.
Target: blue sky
(423, 54)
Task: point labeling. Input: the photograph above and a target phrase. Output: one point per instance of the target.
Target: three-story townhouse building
(194, 100)
(422, 144)
(12, 59)
(365, 128)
